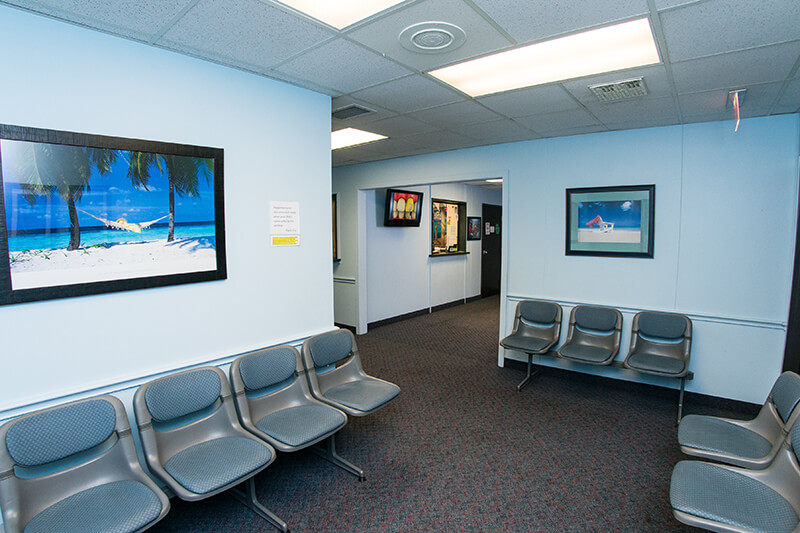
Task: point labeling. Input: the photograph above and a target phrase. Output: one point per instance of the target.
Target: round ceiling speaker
(432, 37)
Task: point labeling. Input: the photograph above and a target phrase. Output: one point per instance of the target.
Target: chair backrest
(537, 318)
(595, 326)
(662, 334)
(183, 409)
(51, 454)
(267, 381)
(785, 395)
(331, 359)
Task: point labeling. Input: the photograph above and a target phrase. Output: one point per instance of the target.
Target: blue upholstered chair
(274, 403)
(661, 345)
(73, 468)
(335, 376)
(593, 336)
(729, 498)
(193, 441)
(747, 443)
(537, 326)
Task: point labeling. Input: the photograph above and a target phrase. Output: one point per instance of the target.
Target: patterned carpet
(460, 450)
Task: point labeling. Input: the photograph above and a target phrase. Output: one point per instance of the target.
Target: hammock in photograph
(122, 224)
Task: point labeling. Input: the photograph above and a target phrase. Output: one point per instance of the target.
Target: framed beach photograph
(611, 221)
(473, 228)
(88, 214)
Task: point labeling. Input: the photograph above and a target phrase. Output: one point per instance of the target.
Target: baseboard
(420, 312)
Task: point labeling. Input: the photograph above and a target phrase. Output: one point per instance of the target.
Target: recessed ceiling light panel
(353, 137)
(432, 37)
(626, 45)
(341, 13)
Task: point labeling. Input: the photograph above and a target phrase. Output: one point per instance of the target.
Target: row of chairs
(750, 479)
(74, 467)
(660, 342)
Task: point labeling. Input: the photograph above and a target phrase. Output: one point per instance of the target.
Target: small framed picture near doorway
(473, 228)
(611, 221)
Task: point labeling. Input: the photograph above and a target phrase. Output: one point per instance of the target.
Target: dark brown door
(491, 249)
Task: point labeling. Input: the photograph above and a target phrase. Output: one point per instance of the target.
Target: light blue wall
(726, 208)
(277, 148)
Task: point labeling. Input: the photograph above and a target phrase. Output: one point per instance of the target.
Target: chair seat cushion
(295, 426)
(586, 353)
(714, 435)
(656, 364)
(526, 343)
(117, 507)
(213, 464)
(709, 491)
(365, 395)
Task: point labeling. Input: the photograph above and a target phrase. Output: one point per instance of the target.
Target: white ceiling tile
(655, 79)
(643, 122)
(703, 103)
(455, 115)
(546, 122)
(141, 20)
(736, 70)
(382, 35)
(719, 26)
(667, 4)
(581, 130)
(400, 126)
(528, 21)
(524, 102)
(242, 32)
(658, 109)
(343, 66)
(504, 130)
(791, 96)
(408, 94)
(440, 140)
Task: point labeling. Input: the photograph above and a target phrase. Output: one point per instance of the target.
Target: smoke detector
(619, 90)
(432, 37)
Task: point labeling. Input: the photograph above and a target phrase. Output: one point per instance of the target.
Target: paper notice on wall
(284, 223)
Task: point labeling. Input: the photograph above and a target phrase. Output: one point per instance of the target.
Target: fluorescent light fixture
(353, 137)
(495, 180)
(340, 13)
(626, 45)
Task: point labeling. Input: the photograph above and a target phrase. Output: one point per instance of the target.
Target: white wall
(277, 147)
(726, 206)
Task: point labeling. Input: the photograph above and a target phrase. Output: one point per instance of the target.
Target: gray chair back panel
(268, 367)
(538, 312)
(786, 394)
(331, 347)
(601, 319)
(51, 435)
(182, 394)
(663, 325)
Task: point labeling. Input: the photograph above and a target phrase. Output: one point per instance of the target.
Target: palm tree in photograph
(183, 176)
(45, 169)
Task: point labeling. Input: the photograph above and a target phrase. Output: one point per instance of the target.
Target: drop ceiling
(707, 48)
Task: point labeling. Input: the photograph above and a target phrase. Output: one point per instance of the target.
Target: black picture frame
(474, 231)
(397, 211)
(78, 183)
(614, 221)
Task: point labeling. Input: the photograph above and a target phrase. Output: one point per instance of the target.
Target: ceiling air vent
(350, 111)
(619, 90)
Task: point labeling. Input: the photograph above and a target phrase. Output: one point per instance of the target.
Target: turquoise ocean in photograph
(100, 235)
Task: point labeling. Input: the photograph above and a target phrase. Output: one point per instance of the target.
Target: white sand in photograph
(48, 268)
(615, 235)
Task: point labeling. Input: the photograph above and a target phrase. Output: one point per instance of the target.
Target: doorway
(491, 249)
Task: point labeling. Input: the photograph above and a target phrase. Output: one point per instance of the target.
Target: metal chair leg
(530, 375)
(680, 401)
(248, 499)
(329, 454)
